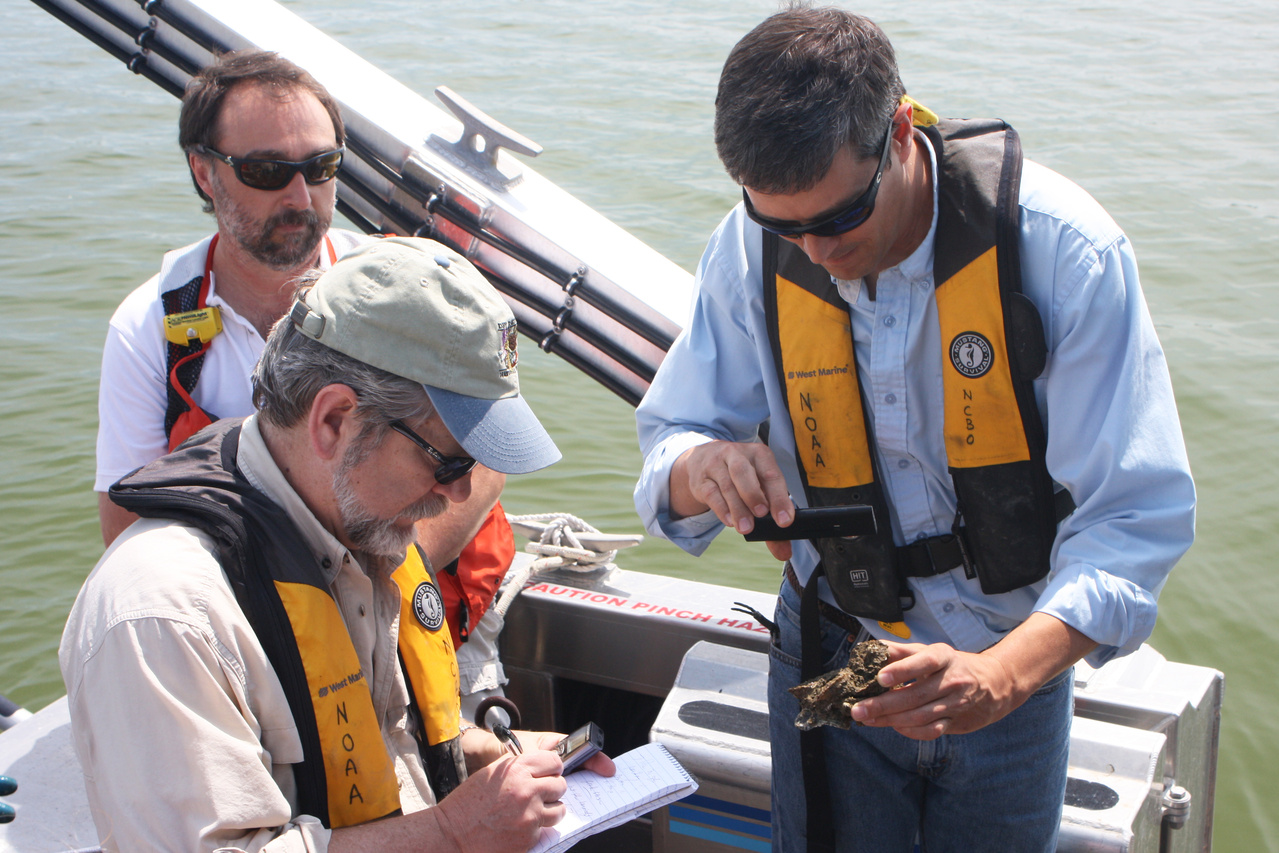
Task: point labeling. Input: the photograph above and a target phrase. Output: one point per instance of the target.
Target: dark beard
(288, 253)
(257, 238)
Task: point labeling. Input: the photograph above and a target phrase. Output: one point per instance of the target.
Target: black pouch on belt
(862, 574)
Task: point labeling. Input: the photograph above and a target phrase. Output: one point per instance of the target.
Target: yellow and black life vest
(346, 776)
(992, 348)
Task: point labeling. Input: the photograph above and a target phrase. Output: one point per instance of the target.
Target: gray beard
(373, 535)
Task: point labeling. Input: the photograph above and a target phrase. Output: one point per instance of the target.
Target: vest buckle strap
(935, 555)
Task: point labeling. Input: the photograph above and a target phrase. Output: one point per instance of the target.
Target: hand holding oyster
(828, 700)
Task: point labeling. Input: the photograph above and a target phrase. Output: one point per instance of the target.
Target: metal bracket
(1175, 805)
(482, 137)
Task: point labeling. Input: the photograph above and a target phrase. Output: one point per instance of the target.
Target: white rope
(558, 548)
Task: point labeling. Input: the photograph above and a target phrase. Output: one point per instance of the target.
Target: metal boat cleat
(482, 138)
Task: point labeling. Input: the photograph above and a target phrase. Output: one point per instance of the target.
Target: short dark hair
(797, 89)
(202, 101)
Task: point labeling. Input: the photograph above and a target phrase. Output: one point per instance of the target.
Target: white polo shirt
(133, 389)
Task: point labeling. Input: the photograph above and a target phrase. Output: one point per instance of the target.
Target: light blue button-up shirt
(1114, 439)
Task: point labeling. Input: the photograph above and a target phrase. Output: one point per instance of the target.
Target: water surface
(1163, 111)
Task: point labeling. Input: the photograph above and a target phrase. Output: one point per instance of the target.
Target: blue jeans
(997, 789)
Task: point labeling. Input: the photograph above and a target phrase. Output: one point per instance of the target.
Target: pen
(508, 737)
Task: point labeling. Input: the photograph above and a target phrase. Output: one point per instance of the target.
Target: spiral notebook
(647, 778)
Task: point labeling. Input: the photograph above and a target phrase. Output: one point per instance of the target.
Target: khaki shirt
(180, 723)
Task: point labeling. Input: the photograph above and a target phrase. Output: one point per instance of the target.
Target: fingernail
(859, 713)
(884, 679)
(7, 785)
(783, 517)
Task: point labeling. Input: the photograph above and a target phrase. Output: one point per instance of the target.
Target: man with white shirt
(263, 141)
(262, 661)
(905, 313)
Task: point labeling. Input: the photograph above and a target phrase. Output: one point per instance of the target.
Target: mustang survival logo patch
(428, 607)
(971, 354)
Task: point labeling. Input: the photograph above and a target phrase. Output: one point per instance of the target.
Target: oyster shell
(828, 700)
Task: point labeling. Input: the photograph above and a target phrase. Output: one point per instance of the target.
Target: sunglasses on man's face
(276, 174)
(843, 221)
(451, 468)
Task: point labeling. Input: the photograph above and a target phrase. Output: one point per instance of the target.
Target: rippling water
(1164, 111)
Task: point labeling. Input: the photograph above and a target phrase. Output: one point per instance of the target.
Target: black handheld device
(579, 746)
(819, 522)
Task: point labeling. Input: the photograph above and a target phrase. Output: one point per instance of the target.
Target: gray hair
(293, 369)
(797, 89)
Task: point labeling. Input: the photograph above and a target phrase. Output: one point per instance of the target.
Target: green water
(1164, 111)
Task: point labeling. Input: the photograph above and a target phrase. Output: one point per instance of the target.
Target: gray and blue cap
(417, 309)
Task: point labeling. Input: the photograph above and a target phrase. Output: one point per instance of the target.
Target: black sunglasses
(451, 468)
(276, 174)
(857, 212)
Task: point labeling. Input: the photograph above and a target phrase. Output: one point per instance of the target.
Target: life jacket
(992, 348)
(469, 583)
(190, 325)
(346, 776)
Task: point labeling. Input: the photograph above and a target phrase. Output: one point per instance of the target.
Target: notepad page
(647, 778)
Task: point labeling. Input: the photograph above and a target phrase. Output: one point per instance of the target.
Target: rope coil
(558, 548)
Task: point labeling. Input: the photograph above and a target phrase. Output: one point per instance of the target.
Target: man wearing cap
(262, 663)
(263, 141)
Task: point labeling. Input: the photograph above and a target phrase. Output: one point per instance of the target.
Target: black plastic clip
(957, 529)
(145, 36)
(566, 312)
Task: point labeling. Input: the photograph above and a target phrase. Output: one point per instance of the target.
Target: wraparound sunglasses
(276, 174)
(857, 211)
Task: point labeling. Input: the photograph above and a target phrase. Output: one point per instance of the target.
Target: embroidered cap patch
(428, 606)
(509, 356)
(971, 354)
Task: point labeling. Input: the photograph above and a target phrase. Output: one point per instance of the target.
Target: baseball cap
(415, 308)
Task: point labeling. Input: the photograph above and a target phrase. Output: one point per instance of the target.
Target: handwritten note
(647, 778)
